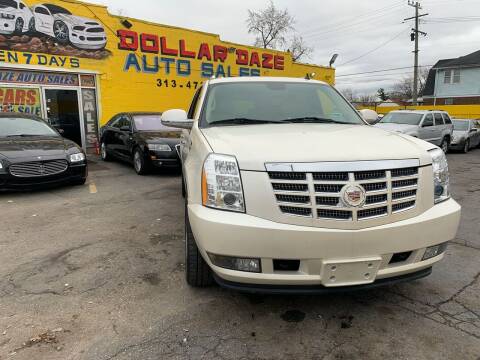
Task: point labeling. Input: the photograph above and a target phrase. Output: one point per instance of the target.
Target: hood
(255, 145)
(159, 136)
(403, 128)
(44, 147)
(77, 20)
(460, 133)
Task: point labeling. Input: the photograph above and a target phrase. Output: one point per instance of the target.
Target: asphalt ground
(97, 272)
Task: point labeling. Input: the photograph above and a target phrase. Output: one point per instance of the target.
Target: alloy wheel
(19, 26)
(60, 30)
(137, 161)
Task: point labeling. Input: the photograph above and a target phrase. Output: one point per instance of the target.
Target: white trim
(451, 96)
(46, 68)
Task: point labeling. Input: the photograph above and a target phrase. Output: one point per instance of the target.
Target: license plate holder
(350, 272)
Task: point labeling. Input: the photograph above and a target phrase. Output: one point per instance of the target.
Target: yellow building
(77, 65)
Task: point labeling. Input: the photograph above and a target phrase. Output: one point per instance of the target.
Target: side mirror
(473, 130)
(177, 118)
(125, 128)
(369, 116)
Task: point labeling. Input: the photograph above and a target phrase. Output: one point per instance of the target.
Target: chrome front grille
(319, 194)
(38, 168)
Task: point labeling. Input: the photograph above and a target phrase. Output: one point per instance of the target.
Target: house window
(448, 77)
(456, 76)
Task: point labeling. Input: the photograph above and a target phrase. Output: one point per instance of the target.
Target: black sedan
(33, 154)
(142, 140)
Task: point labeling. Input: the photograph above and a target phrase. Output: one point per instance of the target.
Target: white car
(288, 190)
(15, 17)
(58, 22)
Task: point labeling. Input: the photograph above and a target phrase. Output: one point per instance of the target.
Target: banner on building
(22, 100)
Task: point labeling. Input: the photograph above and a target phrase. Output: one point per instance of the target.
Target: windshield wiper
(243, 121)
(315, 119)
(23, 135)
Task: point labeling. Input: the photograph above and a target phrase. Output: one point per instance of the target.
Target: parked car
(432, 126)
(141, 139)
(58, 22)
(287, 189)
(466, 135)
(33, 154)
(15, 17)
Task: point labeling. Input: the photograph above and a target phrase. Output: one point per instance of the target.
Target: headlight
(441, 177)
(221, 183)
(159, 147)
(75, 158)
(7, 16)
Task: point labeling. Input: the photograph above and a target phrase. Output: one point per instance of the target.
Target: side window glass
(438, 119)
(447, 119)
(428, 120)
(193, 105)
(42, 11)
(124, 121)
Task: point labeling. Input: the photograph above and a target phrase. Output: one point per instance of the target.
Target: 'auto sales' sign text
(158, 54)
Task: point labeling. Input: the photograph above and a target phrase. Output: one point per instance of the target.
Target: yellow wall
(131, 90)
(455, 111)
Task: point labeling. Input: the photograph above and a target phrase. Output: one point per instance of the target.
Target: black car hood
(159, 136)
(33, 147)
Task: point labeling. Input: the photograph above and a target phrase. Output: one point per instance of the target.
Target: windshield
(17, 126)
(265, 102)
(460, 125)
(8, 3)
(402, 118)
(150, 123)
(57, 9)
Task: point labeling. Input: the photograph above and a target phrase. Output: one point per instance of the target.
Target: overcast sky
(351, 28)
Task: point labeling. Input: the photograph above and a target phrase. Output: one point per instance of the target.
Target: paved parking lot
(96, 272)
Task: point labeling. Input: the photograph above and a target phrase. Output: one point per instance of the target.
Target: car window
(8, 3)
(54, 9)
(124, 120)
(447, 118)
(41, 10)
(150, 122)
(22, 6)
(18, 126)
(402, 118)
(438, 119)
(461, 125)
(193, 105)
(428, 120)
(276, 101)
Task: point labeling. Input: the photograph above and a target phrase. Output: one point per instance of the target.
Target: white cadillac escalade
(288, 189)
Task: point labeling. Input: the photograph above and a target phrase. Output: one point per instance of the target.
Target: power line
(375, 49)
(379, 71)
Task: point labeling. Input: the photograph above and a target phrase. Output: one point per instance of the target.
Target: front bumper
(457, 144)
(162, 159)
(74, 173)
(242, 235)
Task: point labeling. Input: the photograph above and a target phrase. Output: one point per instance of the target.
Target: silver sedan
(466, 135)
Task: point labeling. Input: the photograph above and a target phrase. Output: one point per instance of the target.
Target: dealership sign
(20, 100)
(38, 78)
(176, 57)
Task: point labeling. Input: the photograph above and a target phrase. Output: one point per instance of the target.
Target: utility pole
(415, 35)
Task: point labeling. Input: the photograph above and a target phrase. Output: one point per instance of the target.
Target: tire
(139, 163)
(60, 30)
(445, 145)
(184, 192)
(19, 26)
(103, 152)
(197, 272)
(31, 25)
(466, 147)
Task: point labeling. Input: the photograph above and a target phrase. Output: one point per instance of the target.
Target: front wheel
(60, 30)
(139, 163)
(104, 153)
(445, 145)
(19, 26)
(466, 147)
(197, 271)
(31, 25)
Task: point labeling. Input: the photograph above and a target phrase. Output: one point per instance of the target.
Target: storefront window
(22, 100)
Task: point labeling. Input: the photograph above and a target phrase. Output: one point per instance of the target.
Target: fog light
(433, 251)
(234, 263)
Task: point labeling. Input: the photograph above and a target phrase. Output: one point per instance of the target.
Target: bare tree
(298, 48)
(349, 94)
(403, 89)
(270, 25)
(367, 99)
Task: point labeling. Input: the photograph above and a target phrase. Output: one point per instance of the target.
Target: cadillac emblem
(353, 195)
